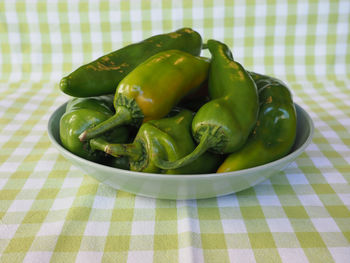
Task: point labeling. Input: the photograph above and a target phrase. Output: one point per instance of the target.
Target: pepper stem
(122, 116)
(132, 150)
(202, 147)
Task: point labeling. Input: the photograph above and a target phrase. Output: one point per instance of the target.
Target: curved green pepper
(153, 88)
(80, 114)
(223, 124)
(275, 130)
(103, 75)
(168, 138)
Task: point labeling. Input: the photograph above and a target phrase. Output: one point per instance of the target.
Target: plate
(182, 187)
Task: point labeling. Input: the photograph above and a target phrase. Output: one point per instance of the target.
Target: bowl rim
(290, 156)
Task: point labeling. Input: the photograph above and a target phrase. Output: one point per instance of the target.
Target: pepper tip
(64, 84)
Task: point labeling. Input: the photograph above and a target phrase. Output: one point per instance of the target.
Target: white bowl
(195, 186)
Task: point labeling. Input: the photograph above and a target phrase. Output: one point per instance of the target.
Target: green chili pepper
(103, 75)
(275, 130)
(168, 138)
(153, 88)
(80, 114)
(223, 124)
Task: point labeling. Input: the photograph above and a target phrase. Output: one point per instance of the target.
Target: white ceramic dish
(184, 186)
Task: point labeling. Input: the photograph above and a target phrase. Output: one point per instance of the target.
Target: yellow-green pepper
(275, 130)
(153, 88)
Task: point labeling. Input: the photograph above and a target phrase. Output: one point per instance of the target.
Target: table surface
(52, 211)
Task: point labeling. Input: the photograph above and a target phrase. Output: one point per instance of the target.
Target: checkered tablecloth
(52, 212)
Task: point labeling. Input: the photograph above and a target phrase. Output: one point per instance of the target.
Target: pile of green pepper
(157, 106)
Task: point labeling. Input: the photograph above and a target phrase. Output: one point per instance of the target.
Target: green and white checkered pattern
(51, 211)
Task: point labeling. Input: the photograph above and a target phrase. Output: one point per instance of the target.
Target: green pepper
(224, 123)
(80, 114)
(102, 75)
(275, 130)
(167, 138)
(153, 88)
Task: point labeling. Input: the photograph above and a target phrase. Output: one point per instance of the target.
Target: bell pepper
(224, 123)
(153, 88)
(275, 130)
(167, 138)
(80, 114)
(103, 75)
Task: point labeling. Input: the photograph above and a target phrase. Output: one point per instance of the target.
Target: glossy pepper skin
(153, 88)
(275, 131)
(103, 75)
(168, 138)
(82, 113)
(224, 123)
